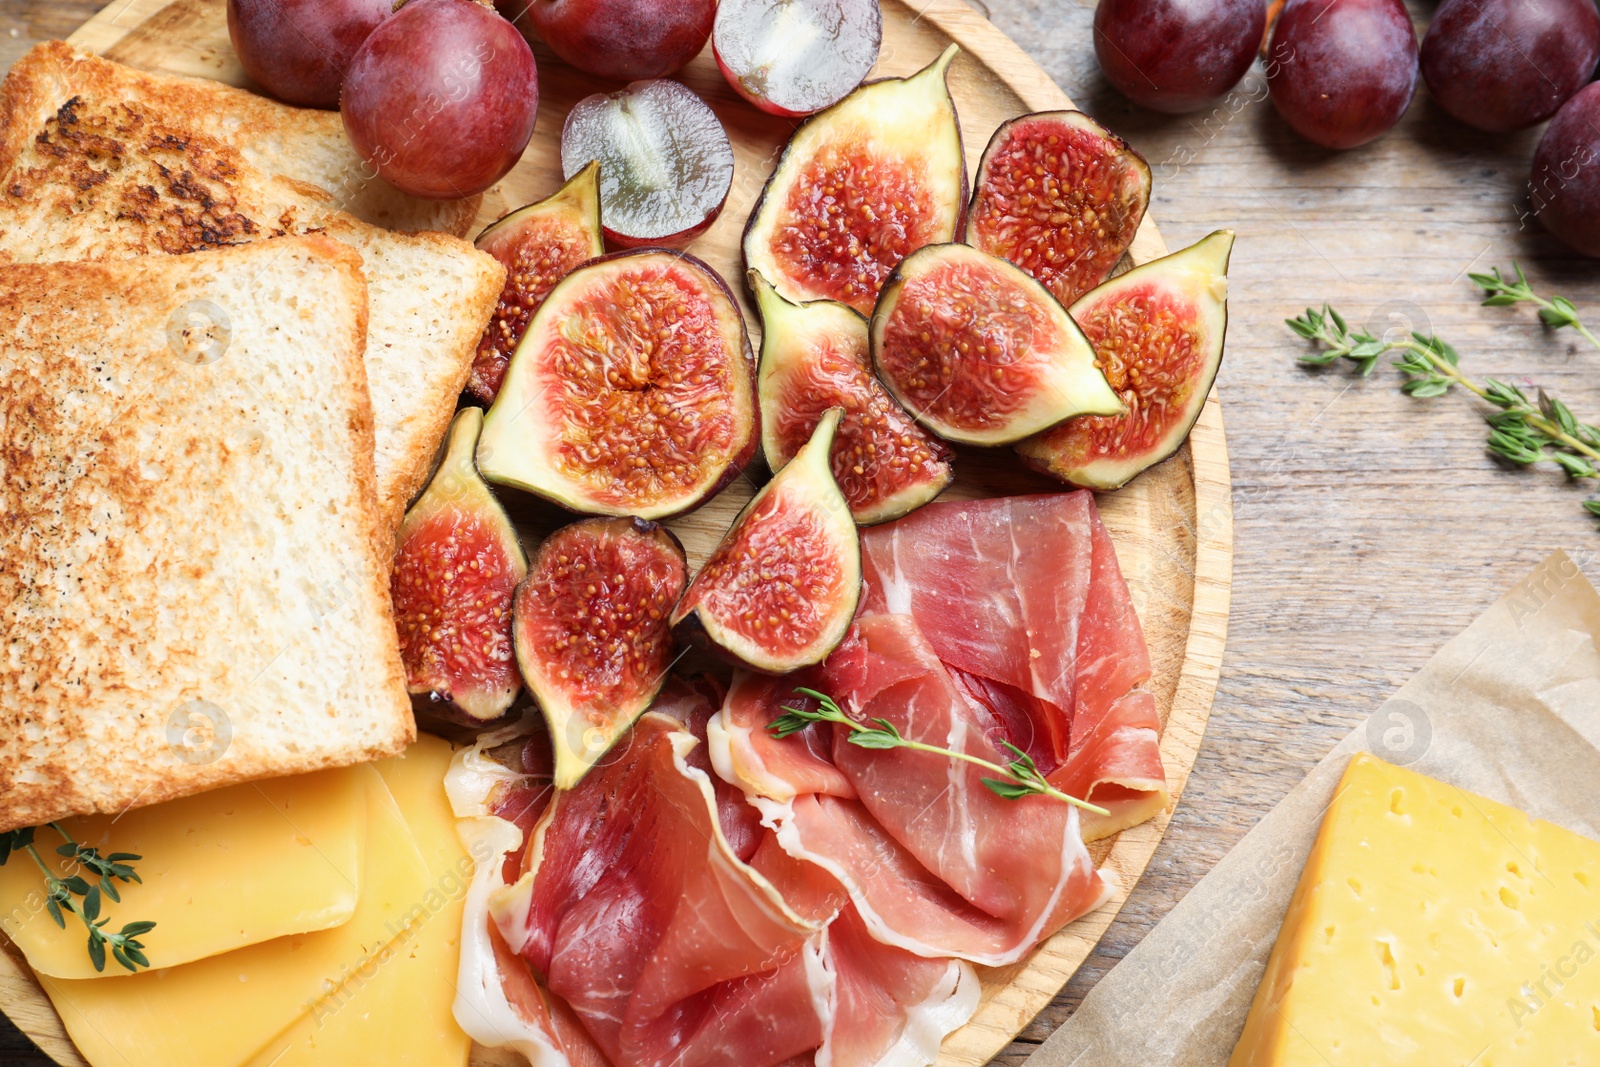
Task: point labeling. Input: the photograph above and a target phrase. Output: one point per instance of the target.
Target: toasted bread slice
(189, 586)
(302, 144)
(90, 168)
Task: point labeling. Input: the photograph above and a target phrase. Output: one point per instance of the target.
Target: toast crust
(303, 144)
(146, 563)
(99, 160)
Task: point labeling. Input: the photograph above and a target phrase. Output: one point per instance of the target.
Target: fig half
(780, 590)
(814, 356)
(632, 393)
(1157, 332)
(457, 566)
(666, 164)
(796, 57)
(859, 187)
(979, 352)
(1060, 196)
(592, 633)
(538, 245)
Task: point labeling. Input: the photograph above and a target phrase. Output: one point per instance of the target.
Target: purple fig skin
(622, 39)
(821, 117)
(1332, 76)
(1504, 65)
(1137, 63)
(1565, 184)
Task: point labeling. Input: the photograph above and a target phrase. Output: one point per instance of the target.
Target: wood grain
(1172, 527)
(1369, 528)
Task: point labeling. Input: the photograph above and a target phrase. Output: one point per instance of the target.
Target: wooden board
(1173, 526)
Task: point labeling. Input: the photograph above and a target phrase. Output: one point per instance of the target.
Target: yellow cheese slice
(281, 857)
(221, 1011)
(1433, 928)
(396, 1010)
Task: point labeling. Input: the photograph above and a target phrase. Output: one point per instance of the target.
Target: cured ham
(1023, 600)
(635, 912)
(934, 862)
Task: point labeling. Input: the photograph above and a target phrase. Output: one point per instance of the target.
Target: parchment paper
(1509, 709)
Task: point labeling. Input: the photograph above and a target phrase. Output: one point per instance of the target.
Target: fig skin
(800, 512)
(1027, 386)
(1110, 157)
(457, 526)
(1198, 275)
(884, 463)
(586, 715)
(563, 231)
(621, 39)
(768, 207)
(507, 458)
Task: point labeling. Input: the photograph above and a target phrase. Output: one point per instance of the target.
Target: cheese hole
(1514, 869)
(1583, 879)
(1460, 987)
(1421, 972)
(1355, 886)
(1386, 957)
(1395, 797)
(1596, 1017)
(1456, 810)
(1328, 932)
(1508, 898)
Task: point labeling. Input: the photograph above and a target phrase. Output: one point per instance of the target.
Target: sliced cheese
(1433, 928)
(221, 1011)
(280, 857)
(396, 1010)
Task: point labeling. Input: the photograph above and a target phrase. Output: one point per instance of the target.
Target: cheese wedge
(1433, 928)
(282, 856)
(396, 1010)
(221, 1011)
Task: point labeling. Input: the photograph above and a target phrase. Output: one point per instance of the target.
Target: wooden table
(1369, 527)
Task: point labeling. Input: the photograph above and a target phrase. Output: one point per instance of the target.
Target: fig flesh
(592, 633)
(780, 590)
(1061, 197)
(1158, 333)
(457, 566)
(666, 164)
(538, 245)
(796, 57)
(632, 393)
(815, 356)
(979, 352)
(859, 187)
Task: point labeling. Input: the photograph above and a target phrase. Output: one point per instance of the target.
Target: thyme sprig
(1555, 312)
(1022, 777)
(63, 895)
(1522, 430)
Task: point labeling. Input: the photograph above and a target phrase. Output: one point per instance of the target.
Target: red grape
(1565, 184)
(1177, 55)
(1504, 65)
(441, 98)
(622, 39)
(298, 50)
(1342, 71)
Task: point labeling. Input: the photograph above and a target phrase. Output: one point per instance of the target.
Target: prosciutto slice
(1023, 600)
(934, 862)
(635, 911)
